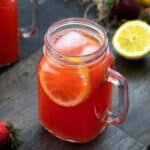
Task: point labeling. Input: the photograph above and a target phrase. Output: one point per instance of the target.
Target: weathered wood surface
(18, 93)
(137, 73)
(18, 103)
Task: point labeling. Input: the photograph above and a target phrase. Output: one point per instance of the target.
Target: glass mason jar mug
(10, 32)
(75, 80)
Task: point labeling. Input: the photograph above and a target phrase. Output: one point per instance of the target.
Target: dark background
(49, 12)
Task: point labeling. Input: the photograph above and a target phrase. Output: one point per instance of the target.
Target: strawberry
(9, 138)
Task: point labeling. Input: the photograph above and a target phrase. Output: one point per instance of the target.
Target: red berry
(3, 123)
(129, 9)
(5, 139)
(9, 137)
(145, 15)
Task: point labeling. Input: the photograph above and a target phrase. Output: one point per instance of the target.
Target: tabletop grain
(18, 103)
(137, 73)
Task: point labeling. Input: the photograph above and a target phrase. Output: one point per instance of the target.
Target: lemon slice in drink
(132, 39)
(66, 87)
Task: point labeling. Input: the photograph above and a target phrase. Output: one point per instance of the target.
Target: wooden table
(137, 124)
(18, 101)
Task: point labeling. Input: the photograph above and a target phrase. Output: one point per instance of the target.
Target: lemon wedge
(132, 39)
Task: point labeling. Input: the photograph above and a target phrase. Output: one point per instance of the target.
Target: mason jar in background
(10, 31)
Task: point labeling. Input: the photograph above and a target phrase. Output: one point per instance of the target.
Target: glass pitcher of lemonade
(75, 80)
(10, 32)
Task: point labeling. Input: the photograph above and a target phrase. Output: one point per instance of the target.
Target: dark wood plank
(137, 73)
(18, 103)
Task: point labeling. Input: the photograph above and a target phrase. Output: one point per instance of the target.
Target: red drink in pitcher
(10, 32)
(9, 47)
(75, 94)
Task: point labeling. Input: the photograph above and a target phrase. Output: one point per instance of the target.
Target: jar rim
(84, 59)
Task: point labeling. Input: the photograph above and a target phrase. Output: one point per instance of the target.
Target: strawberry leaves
(9, 136)
(110, 3)
(15, 137)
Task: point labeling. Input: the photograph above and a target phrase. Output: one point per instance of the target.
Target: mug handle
(121, 83)
(29, 31)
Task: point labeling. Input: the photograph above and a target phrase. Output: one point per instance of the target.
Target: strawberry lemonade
(74, 96)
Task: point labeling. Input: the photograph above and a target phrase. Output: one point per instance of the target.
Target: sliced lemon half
(132, 39)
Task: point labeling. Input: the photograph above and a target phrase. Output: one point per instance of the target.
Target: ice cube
(89, 49)
(70, 41)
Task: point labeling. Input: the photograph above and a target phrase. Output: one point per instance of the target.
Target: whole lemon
(144, 2)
